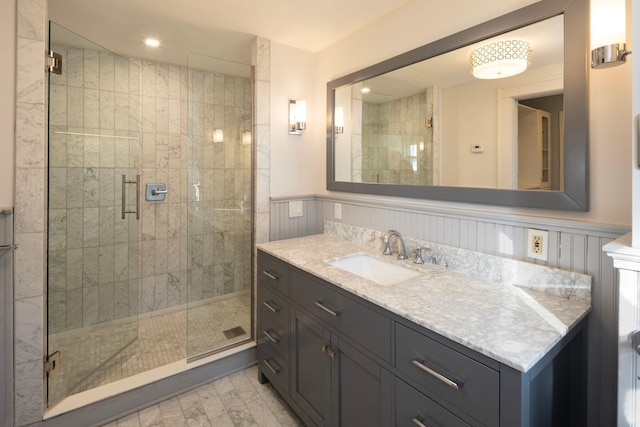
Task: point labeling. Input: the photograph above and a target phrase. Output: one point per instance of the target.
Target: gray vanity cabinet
(334, 383)
(339, 360)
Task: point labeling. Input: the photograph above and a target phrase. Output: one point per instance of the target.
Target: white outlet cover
(545, 244)
(337, 211)
(295, 208)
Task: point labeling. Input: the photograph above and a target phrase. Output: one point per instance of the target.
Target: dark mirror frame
(576, 189)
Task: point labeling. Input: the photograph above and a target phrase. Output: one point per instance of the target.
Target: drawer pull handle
(270, 307)
(419, 422)
(420, 364)
(328, 310)
(271, 337)
(275, 371)
(269, 275)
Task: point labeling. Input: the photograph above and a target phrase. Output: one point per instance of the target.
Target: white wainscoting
(573, 245)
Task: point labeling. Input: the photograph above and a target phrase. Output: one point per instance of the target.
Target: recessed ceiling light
(152, 42)
(365, 90)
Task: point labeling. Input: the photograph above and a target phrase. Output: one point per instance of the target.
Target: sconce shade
(339, 120)
(297, 116)
(246, 138)
(500, 59)
(218, 135)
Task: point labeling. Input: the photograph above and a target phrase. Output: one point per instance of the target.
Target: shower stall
(139, 278)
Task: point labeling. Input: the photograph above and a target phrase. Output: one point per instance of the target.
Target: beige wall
(292, 77)
(7, 100)
(609, 91)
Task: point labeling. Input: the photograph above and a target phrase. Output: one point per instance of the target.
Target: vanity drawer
(358, 322)
(274, 367)
(274, 308)
(273, 273)
(413, 407)
(439, 369)
(273, 327)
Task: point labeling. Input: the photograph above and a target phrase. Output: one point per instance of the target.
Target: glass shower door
(93, 227)
(219, 240)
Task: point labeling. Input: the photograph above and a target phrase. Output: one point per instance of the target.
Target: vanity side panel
(514, 396)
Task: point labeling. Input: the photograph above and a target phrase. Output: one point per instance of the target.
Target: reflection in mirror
(434, 124)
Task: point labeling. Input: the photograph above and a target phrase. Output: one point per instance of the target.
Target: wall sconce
(500, 59)
(608, 33)
(246, 138)
(297, 117)
(339, 120)
(218, 136)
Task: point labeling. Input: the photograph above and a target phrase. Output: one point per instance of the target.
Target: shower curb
(128, 402)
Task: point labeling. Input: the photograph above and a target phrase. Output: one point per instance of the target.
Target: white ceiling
(219, 28)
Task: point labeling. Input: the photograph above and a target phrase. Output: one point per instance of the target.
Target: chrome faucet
(386, 238)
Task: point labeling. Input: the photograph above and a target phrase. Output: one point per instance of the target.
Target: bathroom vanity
(444, 348)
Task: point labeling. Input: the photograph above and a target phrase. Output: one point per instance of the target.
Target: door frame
(507, 126)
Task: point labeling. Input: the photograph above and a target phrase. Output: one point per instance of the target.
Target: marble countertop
(515, 325)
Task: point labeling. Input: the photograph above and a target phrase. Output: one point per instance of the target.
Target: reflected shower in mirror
(433, 123)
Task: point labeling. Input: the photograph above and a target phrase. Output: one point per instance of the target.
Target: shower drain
(234, 332)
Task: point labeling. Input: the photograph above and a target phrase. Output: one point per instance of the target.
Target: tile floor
(111, 352)
(237, 400)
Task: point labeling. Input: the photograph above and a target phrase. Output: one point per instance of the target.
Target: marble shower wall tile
(28, 329)
(28, 392)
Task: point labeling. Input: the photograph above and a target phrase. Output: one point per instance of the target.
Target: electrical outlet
(338, 211)
(537, 244)
(295, 208)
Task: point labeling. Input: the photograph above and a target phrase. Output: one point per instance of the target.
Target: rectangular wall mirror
(422, 125)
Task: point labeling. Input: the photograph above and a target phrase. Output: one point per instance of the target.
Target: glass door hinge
(51, 364)
(54, 62)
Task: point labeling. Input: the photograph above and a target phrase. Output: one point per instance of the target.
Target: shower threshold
(115, 388)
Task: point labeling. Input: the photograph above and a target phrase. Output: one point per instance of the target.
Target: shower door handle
(124, 196)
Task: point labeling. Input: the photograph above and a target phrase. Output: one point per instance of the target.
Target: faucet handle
(418, 259)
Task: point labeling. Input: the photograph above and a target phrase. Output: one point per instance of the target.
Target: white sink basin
(371, 268)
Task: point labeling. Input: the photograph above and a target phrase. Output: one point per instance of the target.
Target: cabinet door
(311, 368)
(361, 389)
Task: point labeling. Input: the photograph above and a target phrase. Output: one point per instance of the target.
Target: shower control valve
(155, 192)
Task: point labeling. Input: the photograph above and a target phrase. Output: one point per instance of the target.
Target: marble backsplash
(561, 283)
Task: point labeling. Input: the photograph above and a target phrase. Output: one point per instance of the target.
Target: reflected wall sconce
(497, 60)
(608, 28)
(218, 136)
(339, 120)
(246, 138)
(297, 117)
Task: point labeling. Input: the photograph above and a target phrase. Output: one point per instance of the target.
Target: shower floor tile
(236, 400)
(161, 339)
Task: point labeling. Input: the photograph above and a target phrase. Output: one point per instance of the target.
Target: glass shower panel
(219, 211)
(93, 270)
